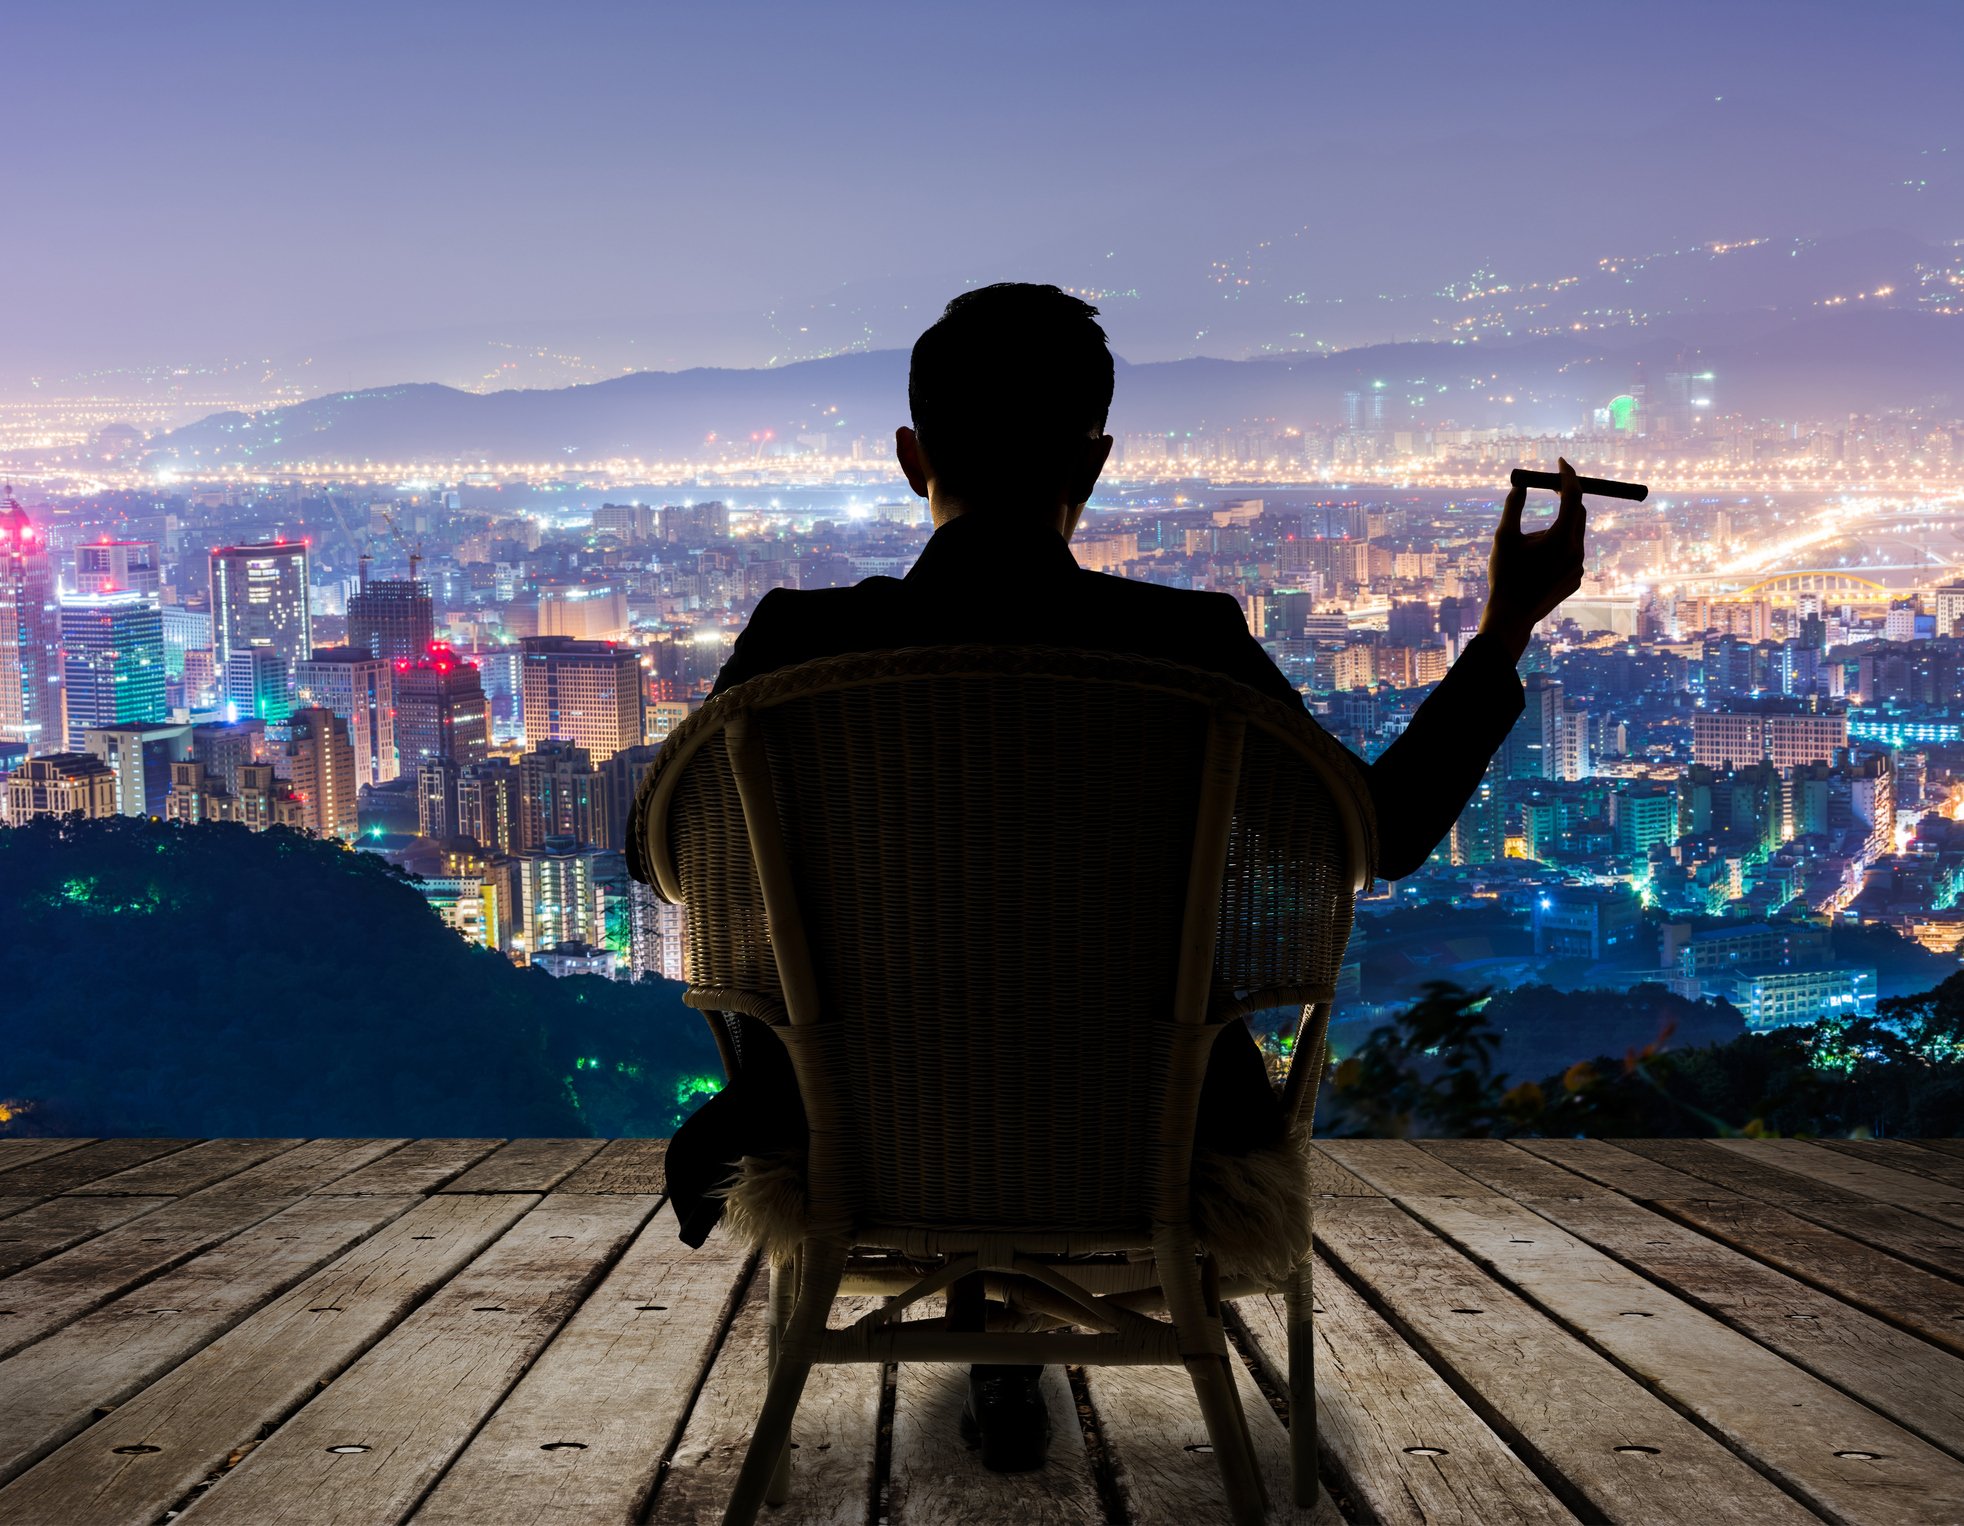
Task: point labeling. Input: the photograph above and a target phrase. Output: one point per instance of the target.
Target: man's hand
(1529, 574)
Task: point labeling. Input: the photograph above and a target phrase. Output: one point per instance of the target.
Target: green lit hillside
(208, 981)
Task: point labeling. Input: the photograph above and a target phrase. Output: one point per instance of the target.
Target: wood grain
(47, 1228)
(57, 1384)
(1897, 1154)
(1919, 1387)
(20, 1152)
(412, 1402)
(304, 1169)
(622, 1165)
(1903, 1189)
(1409, 1450)
(422, 1165)
(148, 1454)
(583, 1435)
(1799, 1428)
(1624, 1453)
(186, 1171)
(50, 1293)
(832, 1437)
(64, 1172)
(526, 1165)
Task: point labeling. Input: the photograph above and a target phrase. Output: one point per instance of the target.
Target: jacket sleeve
(1423, 780)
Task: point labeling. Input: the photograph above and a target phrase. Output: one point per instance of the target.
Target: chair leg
(1227, 1430)
(820, 1267)
(1197, 1318)
(1298, 1301)
(784, 1292)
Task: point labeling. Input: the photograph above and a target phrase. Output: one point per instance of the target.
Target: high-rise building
(436, 798)
(112, 654)
(393, 619)
(587, 692)
(256, 798)
(118, 566)
(488, 805)
(60, 784)
(561, 794)
(323, 771)
(30, 635)
(140, 757)
(557, 894)
(259, 597)
(360, 688)
(441, 711)
(256, 685)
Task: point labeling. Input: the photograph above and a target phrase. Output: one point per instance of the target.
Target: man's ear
(913, 460)
(1090, 465)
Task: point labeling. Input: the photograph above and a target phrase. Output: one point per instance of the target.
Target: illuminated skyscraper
(558, 894)
(117, 566)
(392, 618)
(488, 808)
(562, 795)
(112, 647)
(60, 784)
(587, 692)
(323, 771)
(440, 710)
(30, 635)
(256, 685)
(141, 759)
(360, 688)
(259, 598)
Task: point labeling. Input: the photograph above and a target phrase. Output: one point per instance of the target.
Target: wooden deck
(478, 1331)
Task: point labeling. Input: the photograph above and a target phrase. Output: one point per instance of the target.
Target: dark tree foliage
(1432, 1072)
(209, 981)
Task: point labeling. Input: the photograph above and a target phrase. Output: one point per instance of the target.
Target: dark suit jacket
(1003, 581)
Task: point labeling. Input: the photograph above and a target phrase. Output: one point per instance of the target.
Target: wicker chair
(998, 903)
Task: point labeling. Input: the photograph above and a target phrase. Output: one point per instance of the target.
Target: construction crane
(413, 552)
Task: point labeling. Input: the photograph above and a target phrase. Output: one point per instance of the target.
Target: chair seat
(1252, 1211)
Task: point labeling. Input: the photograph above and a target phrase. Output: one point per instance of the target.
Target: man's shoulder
(1157, 600)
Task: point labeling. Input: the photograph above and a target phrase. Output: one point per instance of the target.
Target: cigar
(1602, 487)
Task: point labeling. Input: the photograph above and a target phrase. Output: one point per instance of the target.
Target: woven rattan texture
(993, 864)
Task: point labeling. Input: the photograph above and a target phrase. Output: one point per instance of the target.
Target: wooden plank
(1922, 1241)
(527, 1165)
(933, 1476)
(56, 1385)
(1898, 1154)
(145, 1456)
(1149, 1422)
(9, 1206)
(1625, 1453)
(413, 1402)
(49, 1294)
(305, 1169)
(1923, 1303)
(1942, 1146)
(187, 1171)
(1837, 1454)
(21, 1152)
(1901, 1189)
(48, 1228)
(608, 1396)
(422, 1165)
(1328, 1179)
(622, 1165)
(833, 1433)
(1406, 1446)
(71, 1168)
(1917, 1386)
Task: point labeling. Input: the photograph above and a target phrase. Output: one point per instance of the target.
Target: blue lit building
(112, 654)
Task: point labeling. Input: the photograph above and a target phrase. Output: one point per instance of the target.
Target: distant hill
(208, 981)
(1812, 362)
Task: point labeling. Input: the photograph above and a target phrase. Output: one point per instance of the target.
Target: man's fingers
(1572, 517)
(1510, 511)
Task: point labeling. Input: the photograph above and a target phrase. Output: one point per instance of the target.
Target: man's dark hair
(1006, 387)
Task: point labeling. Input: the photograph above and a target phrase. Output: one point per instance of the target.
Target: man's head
(1009, 391)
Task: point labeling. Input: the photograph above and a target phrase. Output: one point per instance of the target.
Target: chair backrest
(986, 888)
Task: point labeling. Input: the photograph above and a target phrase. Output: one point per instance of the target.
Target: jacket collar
(994, 547)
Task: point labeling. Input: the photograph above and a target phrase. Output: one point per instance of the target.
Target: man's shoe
(1007, 1418)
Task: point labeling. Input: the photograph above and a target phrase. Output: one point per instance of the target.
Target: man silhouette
(1009, 393)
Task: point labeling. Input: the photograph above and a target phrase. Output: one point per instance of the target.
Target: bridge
(1833, 586)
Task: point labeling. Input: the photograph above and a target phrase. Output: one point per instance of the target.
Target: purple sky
(375, 185)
